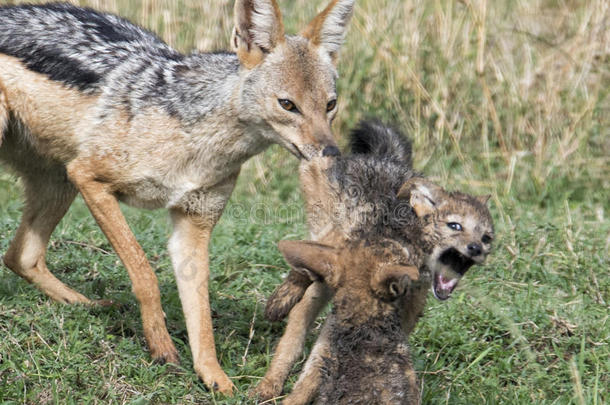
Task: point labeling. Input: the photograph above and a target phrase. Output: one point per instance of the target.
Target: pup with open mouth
(372, 193)
(459, 229)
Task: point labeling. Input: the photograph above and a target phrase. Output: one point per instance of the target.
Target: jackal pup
(91, 103)
(373, 191)
(361, 355)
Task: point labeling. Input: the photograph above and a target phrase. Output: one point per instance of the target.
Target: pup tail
(372, 137)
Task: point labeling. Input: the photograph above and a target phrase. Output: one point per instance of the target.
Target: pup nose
(331, 150)
(474, 249)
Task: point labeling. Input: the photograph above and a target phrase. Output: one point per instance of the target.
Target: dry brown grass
(518, 85)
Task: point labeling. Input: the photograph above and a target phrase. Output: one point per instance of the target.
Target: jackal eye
(288, 105)
(331, 105)
(455, 226)
(486, 239)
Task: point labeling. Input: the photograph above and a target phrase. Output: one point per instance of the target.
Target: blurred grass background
(505, 97)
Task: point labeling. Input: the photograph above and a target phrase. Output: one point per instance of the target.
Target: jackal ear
(423, 195)
(392, 281)
(483, 199)
(313, 259)
(258, 29)
(327, 30)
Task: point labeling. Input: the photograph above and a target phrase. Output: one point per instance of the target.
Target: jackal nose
(474, 249)
(331, 150)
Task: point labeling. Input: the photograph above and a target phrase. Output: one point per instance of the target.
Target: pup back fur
(367, 364)
(373, 137)
(354, 196)
(361, 355)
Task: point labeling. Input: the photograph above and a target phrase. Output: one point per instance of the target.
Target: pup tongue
(444, 286)
(447, 284)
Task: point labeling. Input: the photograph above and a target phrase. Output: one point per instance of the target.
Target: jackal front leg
(106, 211)
(188, 248)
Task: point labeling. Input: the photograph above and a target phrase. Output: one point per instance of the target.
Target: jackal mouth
(443, 286)
(294, 149)
(456, 261)
(446, 281)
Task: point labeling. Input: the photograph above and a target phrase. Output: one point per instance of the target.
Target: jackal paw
(216, 380)
(284, 298)
(162, 354)
(266, 390)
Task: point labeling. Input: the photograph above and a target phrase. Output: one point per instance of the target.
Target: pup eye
(331, 105)
(455, 226)
(486, 239)
(288, 105)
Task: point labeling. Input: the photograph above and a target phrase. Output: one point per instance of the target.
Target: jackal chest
(189, 196)
(178, 182)
(194, 179)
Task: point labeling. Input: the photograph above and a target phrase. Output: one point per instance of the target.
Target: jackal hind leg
(47, 198)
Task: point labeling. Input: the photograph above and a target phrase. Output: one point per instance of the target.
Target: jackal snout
(474, 249)
(318, 143)
(325, 141)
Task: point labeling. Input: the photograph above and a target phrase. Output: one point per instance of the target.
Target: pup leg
(308, 383)
(291, 344)
(188, 249)
(48, 196)
(106, 211)
(286, 296)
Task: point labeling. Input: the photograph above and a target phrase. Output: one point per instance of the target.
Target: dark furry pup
(370, 200)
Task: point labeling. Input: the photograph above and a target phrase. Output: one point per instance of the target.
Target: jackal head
(288, 82)
(457, 226)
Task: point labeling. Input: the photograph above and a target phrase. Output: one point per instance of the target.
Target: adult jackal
(91, 103)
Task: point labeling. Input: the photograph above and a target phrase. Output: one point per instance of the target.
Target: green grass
(522, 115)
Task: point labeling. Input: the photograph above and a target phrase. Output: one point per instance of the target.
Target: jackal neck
(200, 85)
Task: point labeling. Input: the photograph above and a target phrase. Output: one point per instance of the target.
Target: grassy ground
(506, 97)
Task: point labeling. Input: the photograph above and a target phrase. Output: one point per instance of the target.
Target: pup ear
(392, 281)
(327, 30)
(313, 259)
(258, 29)
(422, 194)
(483, 199)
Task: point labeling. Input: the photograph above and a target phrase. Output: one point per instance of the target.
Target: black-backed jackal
(372, 195)
(361, 355)
(91, 103)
